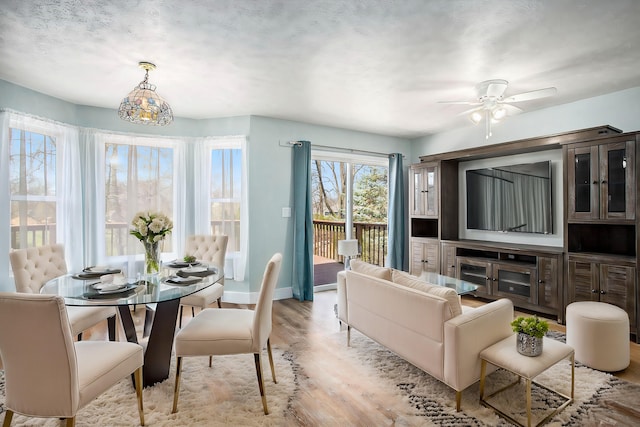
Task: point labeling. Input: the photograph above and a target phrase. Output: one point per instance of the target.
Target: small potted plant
(530, 332)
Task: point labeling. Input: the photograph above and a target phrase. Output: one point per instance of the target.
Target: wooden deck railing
(372, 240)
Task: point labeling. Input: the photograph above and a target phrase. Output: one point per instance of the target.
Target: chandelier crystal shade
(143, 105)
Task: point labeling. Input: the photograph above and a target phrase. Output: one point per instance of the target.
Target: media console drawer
(529, 276)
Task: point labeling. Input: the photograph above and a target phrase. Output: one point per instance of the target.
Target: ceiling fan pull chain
(488, 125)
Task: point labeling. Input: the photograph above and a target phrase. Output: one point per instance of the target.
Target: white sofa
(424, 324)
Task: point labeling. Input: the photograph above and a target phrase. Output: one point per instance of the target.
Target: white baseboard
(235, 297)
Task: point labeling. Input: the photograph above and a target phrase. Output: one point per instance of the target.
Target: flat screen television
(511, 198)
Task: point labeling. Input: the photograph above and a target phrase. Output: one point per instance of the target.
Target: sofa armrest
(342, 297)
(470, 333)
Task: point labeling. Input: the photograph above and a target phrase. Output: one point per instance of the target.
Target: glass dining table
(164, 292)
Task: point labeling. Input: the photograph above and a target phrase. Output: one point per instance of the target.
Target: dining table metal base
(157, 356)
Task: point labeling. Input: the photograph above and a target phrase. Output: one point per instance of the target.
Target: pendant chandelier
(143, 105)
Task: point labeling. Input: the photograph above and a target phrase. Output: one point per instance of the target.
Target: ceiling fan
(494, 106)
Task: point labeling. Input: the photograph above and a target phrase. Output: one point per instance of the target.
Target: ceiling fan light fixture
(143, 105)
(476, 117)
(498, 113)
(491, 104)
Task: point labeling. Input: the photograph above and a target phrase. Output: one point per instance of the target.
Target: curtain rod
(340, 149)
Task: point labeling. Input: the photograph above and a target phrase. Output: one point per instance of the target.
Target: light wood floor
(330, 392)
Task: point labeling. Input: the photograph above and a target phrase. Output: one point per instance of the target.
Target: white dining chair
(210, 249)
(47, 374)
(225, 331)
(34, 267)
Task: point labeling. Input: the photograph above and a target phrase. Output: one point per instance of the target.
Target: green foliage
(530, 326)
(370, 196)
(189, 258)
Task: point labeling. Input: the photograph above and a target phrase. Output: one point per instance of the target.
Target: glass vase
(529, 345)
(151, 258)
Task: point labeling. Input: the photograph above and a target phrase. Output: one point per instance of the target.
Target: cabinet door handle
(602, 292)
(604, 181)
(595, 182)
(540, 281)
(594, 291)
(494, 279)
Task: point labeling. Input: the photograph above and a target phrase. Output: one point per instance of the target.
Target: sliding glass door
(350, 198)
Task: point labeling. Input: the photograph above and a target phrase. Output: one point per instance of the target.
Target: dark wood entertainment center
(599, 257)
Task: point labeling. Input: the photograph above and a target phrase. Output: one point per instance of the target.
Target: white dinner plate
(104, 288)
(194, 269)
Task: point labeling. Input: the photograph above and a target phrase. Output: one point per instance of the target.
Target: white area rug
(224, 395)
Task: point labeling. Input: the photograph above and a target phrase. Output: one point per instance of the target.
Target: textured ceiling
(373, 65)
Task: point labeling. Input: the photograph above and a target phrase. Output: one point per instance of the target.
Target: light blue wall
(270, 185)
(269, 164)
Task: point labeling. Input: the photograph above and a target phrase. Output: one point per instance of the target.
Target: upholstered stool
(599, 334)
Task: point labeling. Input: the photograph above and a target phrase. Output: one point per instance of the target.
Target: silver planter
(529, 345)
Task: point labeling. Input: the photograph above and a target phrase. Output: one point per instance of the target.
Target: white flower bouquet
(150, 228)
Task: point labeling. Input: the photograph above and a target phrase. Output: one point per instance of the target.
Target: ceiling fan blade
(534, 94)
(460, 102)
(511, 109)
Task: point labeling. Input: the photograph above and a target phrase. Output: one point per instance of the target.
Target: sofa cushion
(452, 297)
(370, 269)
(406, 279)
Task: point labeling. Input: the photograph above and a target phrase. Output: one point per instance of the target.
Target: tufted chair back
(33, 267)
(210, 249)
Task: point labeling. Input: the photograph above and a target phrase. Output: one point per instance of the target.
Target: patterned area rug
(600, 399)
(227, 394)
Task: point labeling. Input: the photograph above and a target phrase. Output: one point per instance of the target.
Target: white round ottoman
(599, 334)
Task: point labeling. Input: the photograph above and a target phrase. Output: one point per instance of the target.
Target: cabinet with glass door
(424, 190)
(601, 180)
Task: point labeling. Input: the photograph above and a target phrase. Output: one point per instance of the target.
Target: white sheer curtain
(93, 161)
(68, 194)
(5, 205)
(202, 192)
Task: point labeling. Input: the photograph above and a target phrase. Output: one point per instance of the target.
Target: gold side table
(504, 355)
